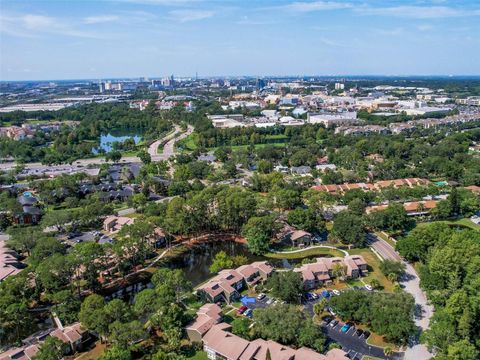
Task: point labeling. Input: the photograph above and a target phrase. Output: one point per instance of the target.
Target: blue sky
(73, 39)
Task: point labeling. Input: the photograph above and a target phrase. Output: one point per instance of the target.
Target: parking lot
(356, 346)
(259, 304)
(351, 342)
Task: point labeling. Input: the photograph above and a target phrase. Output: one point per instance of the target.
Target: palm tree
(388, 351)
(338, 272)
(392, 277)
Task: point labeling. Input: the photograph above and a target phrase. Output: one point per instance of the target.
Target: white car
(269, 302)
(336, 292)
(368, 287)
(260, 296)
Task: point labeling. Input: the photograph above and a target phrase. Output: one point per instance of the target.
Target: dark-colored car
(366, 334)
(333, 323)
(327, 319)
(359, 332)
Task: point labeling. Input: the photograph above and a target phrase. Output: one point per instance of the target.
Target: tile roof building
(379, 185)
(220, 343)
(226, 286)
(9, 263)
(322, 271)
(114, 224)
(73, 335)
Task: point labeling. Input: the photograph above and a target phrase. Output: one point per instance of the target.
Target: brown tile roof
(224, 342)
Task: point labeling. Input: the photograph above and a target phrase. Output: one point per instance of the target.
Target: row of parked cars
(329, 321)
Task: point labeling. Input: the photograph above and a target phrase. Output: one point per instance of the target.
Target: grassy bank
(306, 253)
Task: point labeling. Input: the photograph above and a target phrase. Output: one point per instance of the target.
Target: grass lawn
(373, 268)
(199, 355)
(305, 253)
(355, 282)
(188, 143)
(461, 222)
(377, 340)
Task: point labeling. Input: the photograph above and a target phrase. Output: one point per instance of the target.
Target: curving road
(168, 150)
(411, 284)
(168, 144)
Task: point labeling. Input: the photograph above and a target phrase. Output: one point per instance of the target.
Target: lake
(196, 261)
(106, 140)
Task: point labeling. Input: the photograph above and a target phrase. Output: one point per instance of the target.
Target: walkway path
(311, 247)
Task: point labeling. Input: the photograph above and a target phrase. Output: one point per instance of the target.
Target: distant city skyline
(60, 40)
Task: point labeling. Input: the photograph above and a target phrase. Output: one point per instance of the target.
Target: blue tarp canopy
(247, 300)
(325, 294)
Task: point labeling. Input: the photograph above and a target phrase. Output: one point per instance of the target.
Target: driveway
(259, 304)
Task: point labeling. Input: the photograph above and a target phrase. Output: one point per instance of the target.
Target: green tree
(144, 157)
(51, 349)
(286, 285)
(349, 229)
(116, 353)
(393, 269)
(259, 231)
(124, 335)
(241, 327)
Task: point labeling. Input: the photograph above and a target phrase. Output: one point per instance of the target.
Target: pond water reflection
(196, 261)
(107, 140)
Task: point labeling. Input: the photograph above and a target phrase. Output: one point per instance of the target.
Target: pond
(107, 140)
(197, 260)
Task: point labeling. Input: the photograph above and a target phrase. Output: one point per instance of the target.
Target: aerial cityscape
(239, 180)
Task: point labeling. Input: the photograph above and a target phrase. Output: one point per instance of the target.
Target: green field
(189, 143)
(462, 222)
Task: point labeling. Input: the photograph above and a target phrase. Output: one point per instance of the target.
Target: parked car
(333, 323)
(327, 319)
(330, 310)
(336, 292)
(366, 334)
(248, 313)
(269, 301)
(359, 332)
(242, 309)
(261, 296)
(345, 328)
(368, 287)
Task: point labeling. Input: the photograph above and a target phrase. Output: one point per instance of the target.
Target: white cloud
(34, 25)
(31, 21)
(418, 12)
(425, 27)
(316, 6)
(190, 15)
(100, 19)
